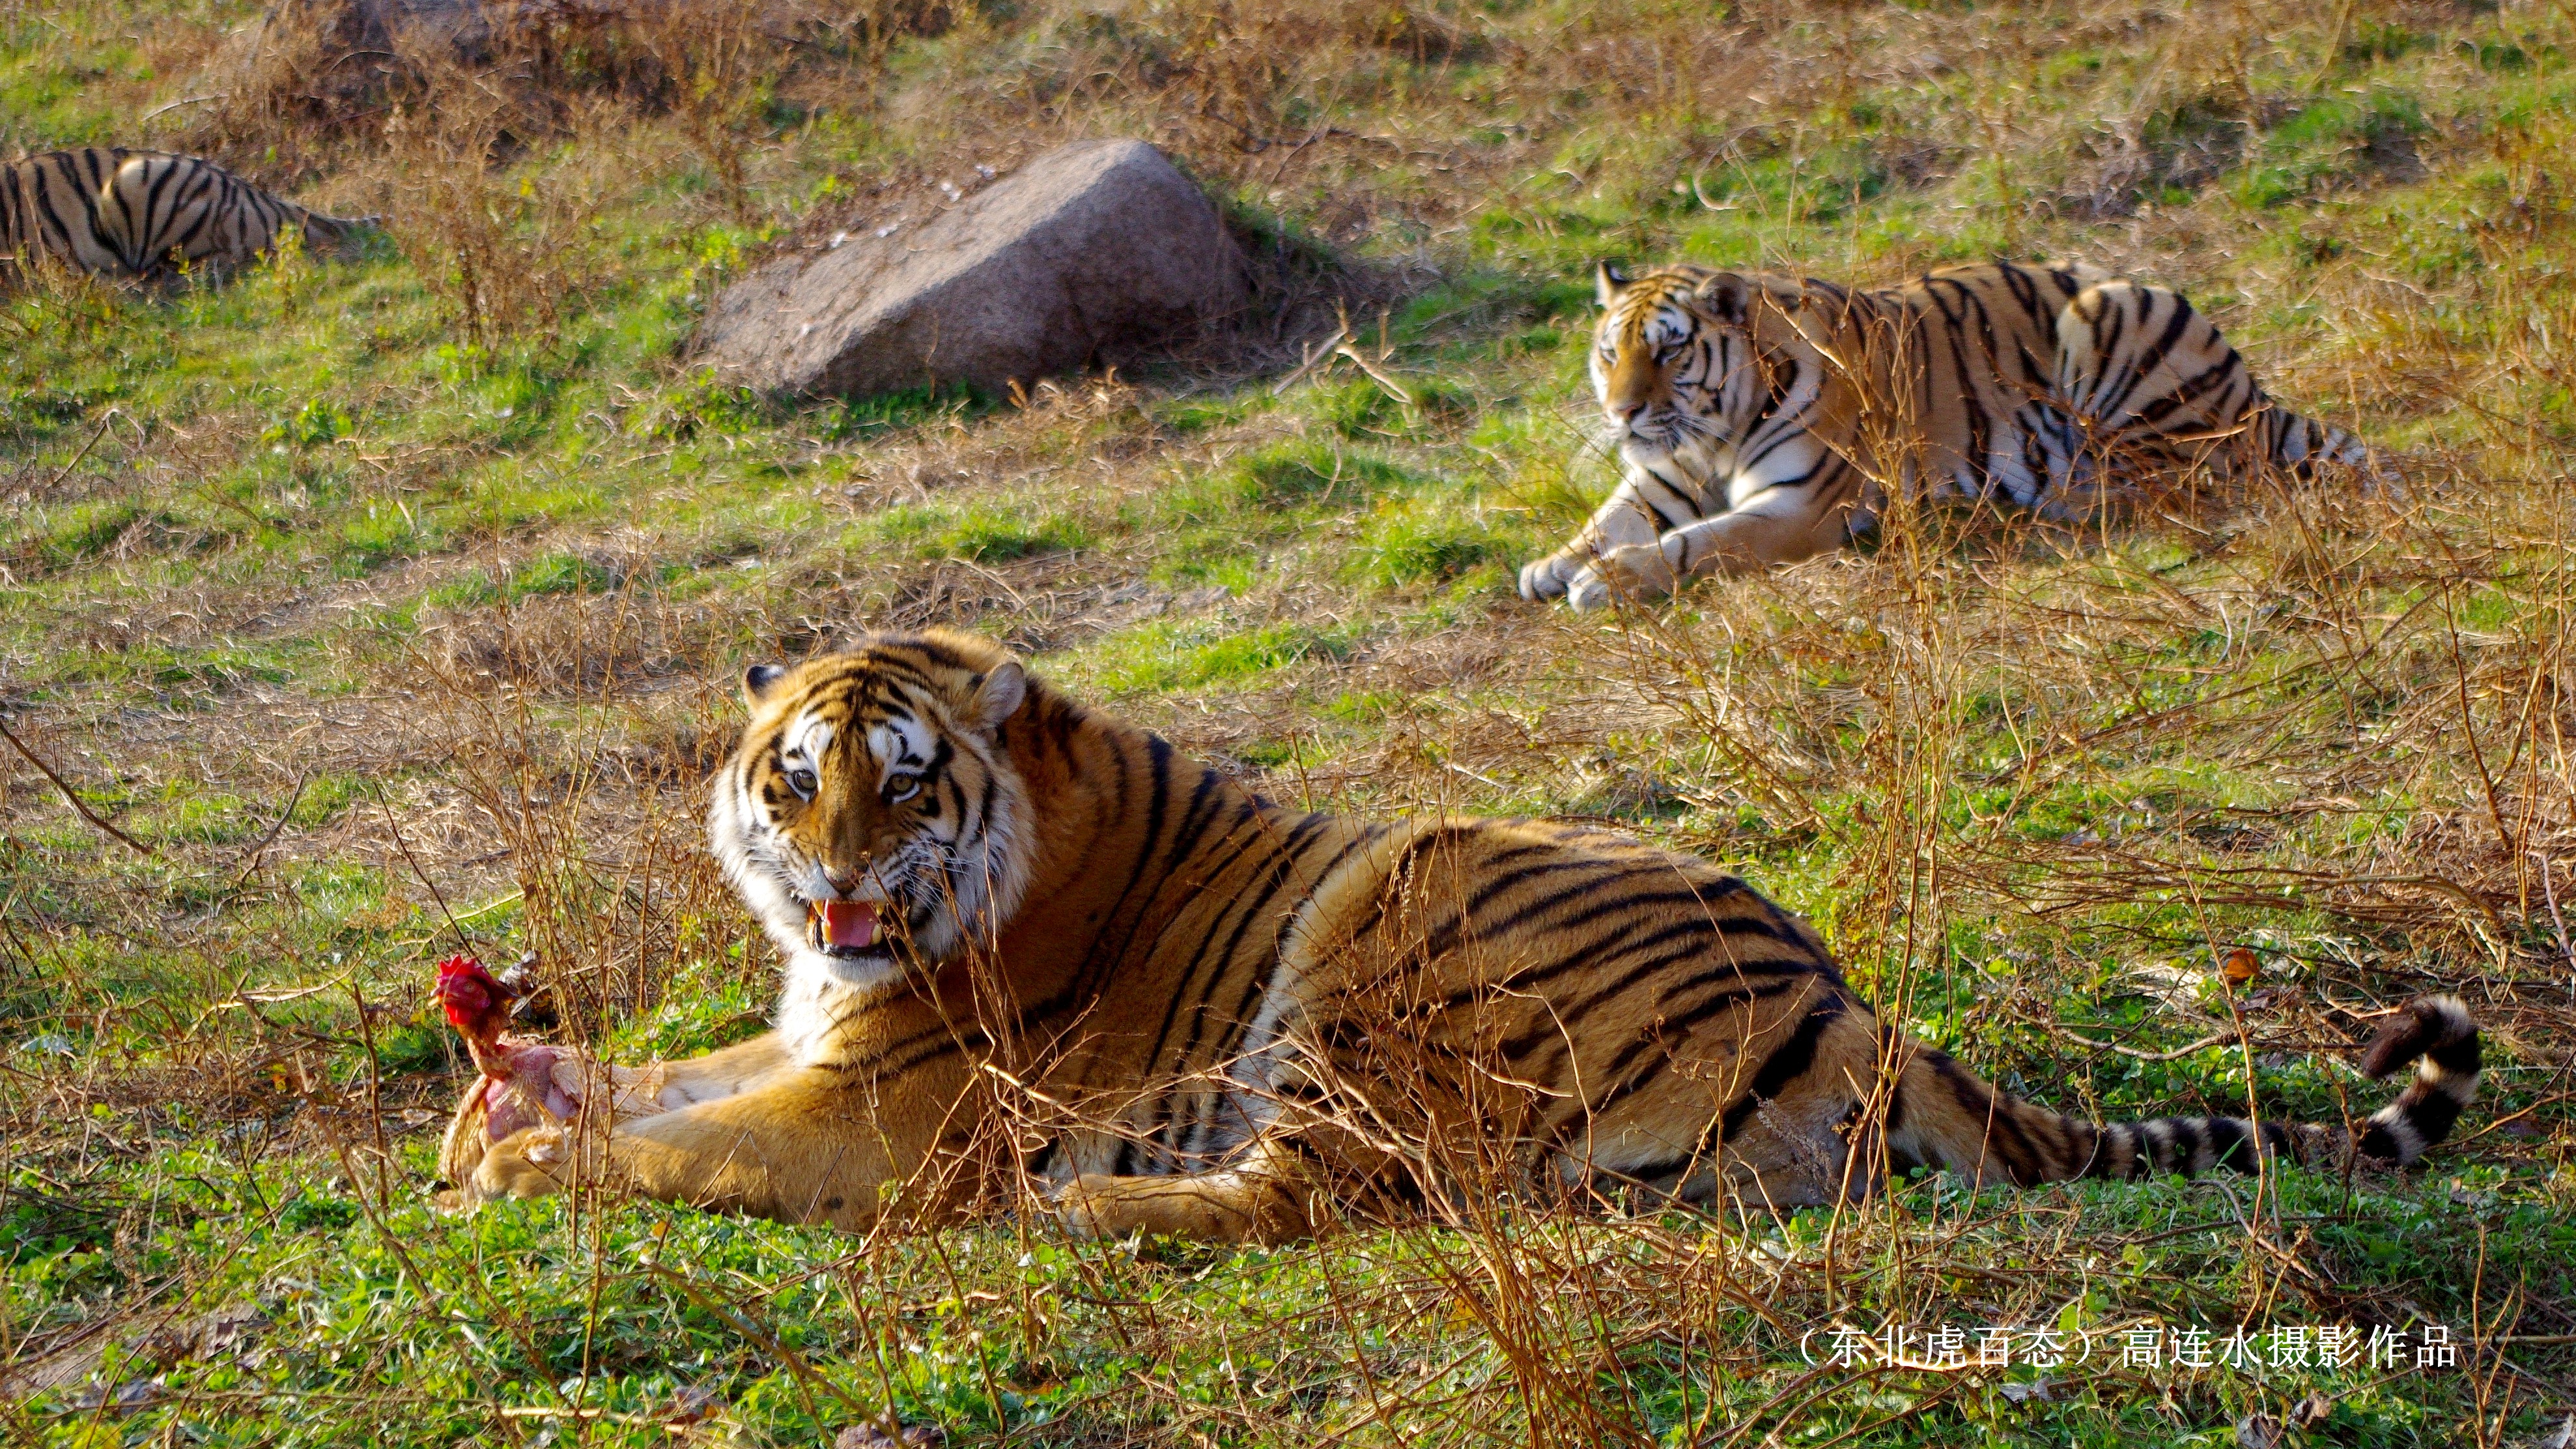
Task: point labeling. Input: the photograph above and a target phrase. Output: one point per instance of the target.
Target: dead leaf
(2258, 1431)
(118, 1398)
(2023, 1393)
(2239, 967)
(691, 1407)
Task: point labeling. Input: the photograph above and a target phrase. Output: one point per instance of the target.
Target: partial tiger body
(1763, 419)
(118, 212)
(1209, 1013)
(1473, 972)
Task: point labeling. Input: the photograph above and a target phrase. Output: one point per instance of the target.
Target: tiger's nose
(1627, 409)
(844, 879)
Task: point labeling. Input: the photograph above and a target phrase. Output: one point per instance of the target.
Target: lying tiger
(1759, 418)
(122, 213)
(1241, 1014)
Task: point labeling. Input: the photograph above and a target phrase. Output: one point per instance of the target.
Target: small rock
(122, 1398)
(1092, 253)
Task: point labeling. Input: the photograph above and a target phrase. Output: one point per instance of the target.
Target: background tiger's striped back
(1762, 419)
(1994, 379)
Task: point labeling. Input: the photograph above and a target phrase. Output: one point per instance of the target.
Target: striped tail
(1945, 1117)
(2436, 1034)
(332, 231)
(158, 208)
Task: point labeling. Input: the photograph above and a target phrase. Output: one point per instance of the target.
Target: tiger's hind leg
(1770, 1162)
(2147, 380)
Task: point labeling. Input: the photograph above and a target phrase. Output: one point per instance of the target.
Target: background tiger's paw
(1098, 1206)
(1544, 578)
(531, 1163)
(1638, 573)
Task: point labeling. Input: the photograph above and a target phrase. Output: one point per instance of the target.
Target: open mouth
(841, 928)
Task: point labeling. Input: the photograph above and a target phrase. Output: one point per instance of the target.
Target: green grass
(472, 595)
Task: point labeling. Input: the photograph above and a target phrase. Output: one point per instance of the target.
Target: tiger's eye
(803, 783)
(899, 788)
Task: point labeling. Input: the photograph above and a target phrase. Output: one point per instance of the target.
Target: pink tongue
(849, 923)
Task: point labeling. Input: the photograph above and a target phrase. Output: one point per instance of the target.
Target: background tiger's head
(1674, 365)
(871, 817)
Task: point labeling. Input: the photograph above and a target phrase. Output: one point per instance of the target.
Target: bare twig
(404, 846)
(1331, 349)
(182, 101)
(250, 861)
(2175, 1055)
(2557, 922)
(100, 432)
(1394, 389)
(68, 793)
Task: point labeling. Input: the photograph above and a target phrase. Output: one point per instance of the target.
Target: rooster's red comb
(470, 994)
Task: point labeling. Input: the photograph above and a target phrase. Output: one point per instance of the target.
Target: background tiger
(1224, 1012)
(127, 213)
(1757, 417)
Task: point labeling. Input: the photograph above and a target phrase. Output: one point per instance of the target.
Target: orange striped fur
(125, 213)
(1222, 1016)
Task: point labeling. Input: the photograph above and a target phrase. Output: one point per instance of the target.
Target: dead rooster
(525, 1083)
(519, 1086)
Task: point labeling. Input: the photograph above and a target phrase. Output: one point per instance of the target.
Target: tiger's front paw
(1637, 573)
(1546, 578)
(1084, 1207)
(536, 1162)
(1212, 1207)
(1101, 1207)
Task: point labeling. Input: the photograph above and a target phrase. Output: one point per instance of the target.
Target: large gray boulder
(1092, 253)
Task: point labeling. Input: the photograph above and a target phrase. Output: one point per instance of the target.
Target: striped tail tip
(2438, 1036)
(2302, 445)
(338, 229)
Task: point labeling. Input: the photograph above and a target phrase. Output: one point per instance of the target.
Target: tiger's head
(1675, 365)
(871, 818)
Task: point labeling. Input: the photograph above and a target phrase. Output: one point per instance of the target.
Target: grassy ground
(392, 601)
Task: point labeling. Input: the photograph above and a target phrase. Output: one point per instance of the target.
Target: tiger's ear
(1609, 280)
(759, 680)
(1727, 296)
(999, 696)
